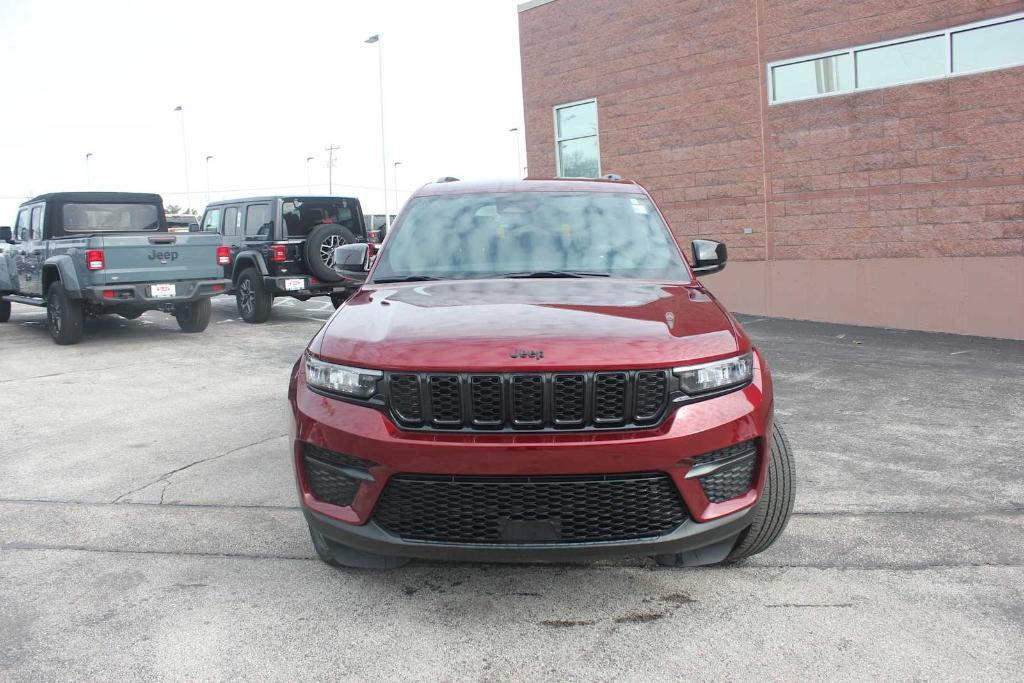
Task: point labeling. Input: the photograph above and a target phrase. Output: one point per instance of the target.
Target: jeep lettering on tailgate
(163, 256)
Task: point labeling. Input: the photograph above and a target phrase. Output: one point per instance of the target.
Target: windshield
(302, 215)
(109, 217)
(540, 233)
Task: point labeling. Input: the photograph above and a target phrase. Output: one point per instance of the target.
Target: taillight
(223, 255)
(94, 259)
(278, 253)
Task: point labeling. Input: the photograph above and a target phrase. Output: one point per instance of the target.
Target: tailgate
(161, 257)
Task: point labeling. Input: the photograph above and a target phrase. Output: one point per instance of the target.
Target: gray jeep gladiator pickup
(82, 254)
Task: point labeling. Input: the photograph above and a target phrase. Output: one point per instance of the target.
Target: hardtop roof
(98, 198)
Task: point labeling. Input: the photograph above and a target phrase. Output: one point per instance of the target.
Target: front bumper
(140, 294)
(692, 430)
(705, 543)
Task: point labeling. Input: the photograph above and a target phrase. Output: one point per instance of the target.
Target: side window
(21, 229)
(231, 221)
(37, 222)
(257, 221)
(211, 221)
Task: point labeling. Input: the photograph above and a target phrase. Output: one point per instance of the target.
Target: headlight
(721, 374)
(340, 379)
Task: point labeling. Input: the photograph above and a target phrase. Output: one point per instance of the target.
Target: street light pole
(309, 187)
(184, 147)
(383, 144)
(88, 174)
(208, 157)
(397, 164)
(519, 154)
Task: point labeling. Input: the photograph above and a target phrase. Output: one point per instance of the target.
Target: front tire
(342, 556)
(5, 311)
(253, 300)
(65, 316)
(194, 316)
(773, 510)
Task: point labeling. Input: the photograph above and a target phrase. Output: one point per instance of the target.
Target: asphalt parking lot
(149, 528)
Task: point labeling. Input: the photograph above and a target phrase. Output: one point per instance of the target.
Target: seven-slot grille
(554, 400)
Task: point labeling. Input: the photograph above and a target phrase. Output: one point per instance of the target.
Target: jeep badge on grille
(536, 354)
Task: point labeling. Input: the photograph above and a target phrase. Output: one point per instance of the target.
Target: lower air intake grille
(326, 476)
(515, 510)
(735, 476)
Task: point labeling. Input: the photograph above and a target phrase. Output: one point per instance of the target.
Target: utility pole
(88, 174)
(330, 168)
(309, 186)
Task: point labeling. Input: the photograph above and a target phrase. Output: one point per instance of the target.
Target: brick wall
(933, 169)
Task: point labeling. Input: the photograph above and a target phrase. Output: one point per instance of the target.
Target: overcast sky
(263, 86)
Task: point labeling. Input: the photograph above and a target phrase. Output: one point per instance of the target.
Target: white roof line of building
(530, 4)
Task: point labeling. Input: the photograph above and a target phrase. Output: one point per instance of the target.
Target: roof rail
(447, 179)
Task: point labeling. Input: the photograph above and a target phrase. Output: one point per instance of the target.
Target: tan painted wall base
(981, 296)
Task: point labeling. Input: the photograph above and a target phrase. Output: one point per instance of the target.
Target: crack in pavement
(204, 506)
(918, 566)
(952, 514)
(70, 372)
(167, 475)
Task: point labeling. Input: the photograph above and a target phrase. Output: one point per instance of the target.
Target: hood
(528, 325)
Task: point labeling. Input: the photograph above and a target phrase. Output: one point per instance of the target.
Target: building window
(915, 60)
(992, 44)
(576, 140)
(812, 77)
(989, 47)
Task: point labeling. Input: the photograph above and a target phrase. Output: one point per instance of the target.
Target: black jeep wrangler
(284, 246)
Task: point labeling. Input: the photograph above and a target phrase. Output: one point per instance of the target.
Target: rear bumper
(278, 285)
(139, 294)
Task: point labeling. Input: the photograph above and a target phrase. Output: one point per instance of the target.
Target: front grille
(732, 479)
(529, 401)
(514, 510)
(326, 474)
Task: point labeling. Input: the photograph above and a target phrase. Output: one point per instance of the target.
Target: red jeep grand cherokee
(531, 372)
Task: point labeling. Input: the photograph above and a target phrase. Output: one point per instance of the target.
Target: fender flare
(249, 255)
(65, 271)
(8, 274)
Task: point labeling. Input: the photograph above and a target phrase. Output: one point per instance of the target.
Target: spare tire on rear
(319, 249)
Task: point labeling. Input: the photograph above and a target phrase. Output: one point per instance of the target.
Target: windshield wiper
(553, 274)
(405, 278)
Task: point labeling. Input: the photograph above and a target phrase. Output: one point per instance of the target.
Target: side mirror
(5, 234)
(352, 260)
(709, 256)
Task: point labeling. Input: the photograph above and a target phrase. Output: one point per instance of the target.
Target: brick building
(862, 159)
